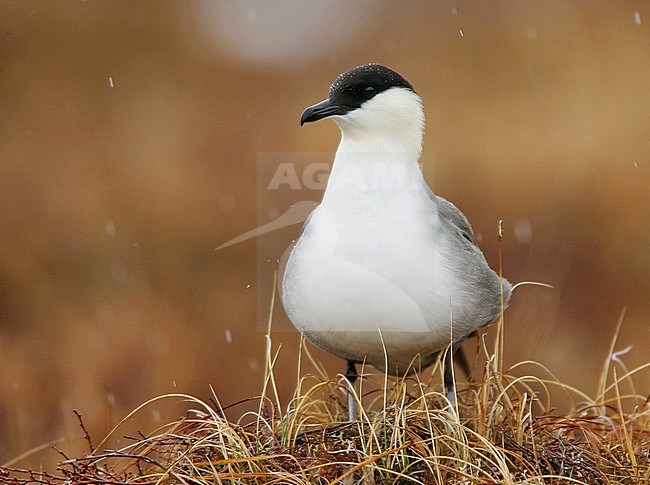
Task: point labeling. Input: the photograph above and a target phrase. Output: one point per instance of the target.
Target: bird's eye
(369, 92)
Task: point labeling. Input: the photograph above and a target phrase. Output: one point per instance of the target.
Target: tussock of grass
(501, 430)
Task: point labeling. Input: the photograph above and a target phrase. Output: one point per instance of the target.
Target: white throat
(392, 121)
(377, 159)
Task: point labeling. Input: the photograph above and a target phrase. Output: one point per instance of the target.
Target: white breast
(371, 273)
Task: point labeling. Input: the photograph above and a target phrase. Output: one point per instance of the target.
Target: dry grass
(501, 430)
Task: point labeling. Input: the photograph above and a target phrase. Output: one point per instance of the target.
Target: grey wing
(491, 283)
(452, 214)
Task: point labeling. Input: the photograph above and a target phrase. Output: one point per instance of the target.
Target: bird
(385, 272)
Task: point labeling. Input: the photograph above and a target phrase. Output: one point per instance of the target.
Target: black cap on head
(361, 83)
(353, 88)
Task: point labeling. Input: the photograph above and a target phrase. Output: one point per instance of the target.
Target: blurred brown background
(130, 141)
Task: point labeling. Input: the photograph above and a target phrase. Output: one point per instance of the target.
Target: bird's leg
(460, 358)
(448, 378)
(351, 377)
